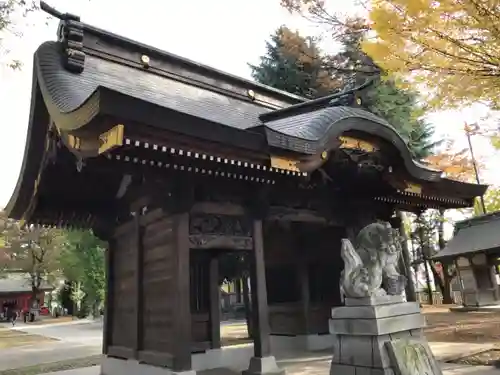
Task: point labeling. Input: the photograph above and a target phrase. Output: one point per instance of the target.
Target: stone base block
(336, 369)
(261, 366)
(362, 333)
(383, 319)
(281, 343)
(374, 301)
(115, 366)
(368, 351)
(237, 356)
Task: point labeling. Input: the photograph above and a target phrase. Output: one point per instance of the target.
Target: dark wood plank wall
(200, 301)
(154, 272)
(123, 274)
(303, 267)
(157, 287)
(150, 300)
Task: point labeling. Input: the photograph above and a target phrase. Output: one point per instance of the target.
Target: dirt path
(446, 326)
(10, 338)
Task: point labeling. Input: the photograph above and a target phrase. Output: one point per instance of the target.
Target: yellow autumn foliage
(456, 164)
(452, 47)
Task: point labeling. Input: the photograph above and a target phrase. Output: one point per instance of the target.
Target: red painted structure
(20, 300)
(15, 292)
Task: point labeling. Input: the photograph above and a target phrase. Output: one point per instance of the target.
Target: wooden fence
(437, 298)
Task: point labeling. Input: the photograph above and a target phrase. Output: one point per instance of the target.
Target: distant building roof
(478, 234)
(19, 282)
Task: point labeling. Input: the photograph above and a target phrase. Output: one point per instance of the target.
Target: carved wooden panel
(158, 277)
(124, 285)
(207, 241)
(220, 231)
(227, 225)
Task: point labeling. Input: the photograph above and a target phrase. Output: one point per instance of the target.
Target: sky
(224, 34)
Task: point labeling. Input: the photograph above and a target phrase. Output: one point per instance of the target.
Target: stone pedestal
(362, 328)
(265, 365)
(115, 366)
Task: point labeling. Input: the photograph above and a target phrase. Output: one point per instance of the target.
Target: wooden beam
(214, 303)
(279, 213)
(218, 208)
(209, 241)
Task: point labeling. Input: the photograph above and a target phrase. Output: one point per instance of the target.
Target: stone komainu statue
(373, 263)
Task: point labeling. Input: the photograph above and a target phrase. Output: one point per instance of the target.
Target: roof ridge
(66, 17)
(477, 220)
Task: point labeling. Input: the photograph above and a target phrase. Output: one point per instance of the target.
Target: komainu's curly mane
(374, 259)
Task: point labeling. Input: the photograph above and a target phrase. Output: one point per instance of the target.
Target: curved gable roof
(317, 131)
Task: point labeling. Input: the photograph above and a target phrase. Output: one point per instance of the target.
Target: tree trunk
(424, 257)
(248, 306)
(95, 309)
(415, 265)
(444, 280)
(428, 281)
(441, 241)
(34, 288)
(405, 263)
(447, 278)
(438, 279)
(36, 281)
(237, 286)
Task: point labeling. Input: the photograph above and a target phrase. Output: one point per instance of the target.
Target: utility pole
(470, 130)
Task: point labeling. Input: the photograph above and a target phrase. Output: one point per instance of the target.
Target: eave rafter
(415, 200)
(213, 158)
(180, 166)
(117, 146)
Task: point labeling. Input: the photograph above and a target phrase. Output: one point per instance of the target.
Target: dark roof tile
(69, 91)
(473, 235)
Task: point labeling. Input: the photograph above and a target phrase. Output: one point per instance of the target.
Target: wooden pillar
(103, 230)
(260, 311)
(182, 311)
(214, 303)
(138, 284)
(108, 298)
(303, 271)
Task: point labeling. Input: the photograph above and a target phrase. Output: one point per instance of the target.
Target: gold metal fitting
(145, 61)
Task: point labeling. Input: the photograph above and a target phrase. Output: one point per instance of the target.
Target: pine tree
(421, 140)
(400, 107)
(294, 63)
